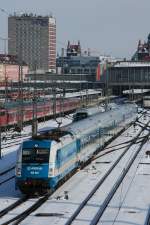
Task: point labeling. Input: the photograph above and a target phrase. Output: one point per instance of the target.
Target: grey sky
(107, 26)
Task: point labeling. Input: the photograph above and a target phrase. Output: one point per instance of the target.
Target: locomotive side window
(35, 155)
(58, 158)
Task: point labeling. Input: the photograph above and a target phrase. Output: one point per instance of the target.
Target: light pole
(4, 11)
(34, 119)
(20, 91)
(5, 50)
(5, 74)
(5, 78)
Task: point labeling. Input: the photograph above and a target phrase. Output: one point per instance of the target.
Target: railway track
(16, 220)
(112, 192)
(6, 171)
(147, 221)
(18, 139)
(15, 142)
(6, 180)
(13, 206)
(5, 177)
(26, 136)
(103, 206)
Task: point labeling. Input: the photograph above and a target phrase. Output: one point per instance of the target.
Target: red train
(10, 115)
(25, 95)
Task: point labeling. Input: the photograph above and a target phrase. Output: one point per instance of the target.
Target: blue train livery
(46, 160)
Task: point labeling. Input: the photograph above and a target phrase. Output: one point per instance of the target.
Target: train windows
(66, 153)
(35, 155)
(58, 158)
(89, 138)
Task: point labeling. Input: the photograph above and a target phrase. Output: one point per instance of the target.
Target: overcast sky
(111, 27)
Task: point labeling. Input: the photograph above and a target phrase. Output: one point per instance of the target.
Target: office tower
(33, 39)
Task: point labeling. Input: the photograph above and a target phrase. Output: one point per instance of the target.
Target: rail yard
(74, 113)
(103, 190)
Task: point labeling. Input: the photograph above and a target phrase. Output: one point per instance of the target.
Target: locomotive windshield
(54, 134)
(35, 155)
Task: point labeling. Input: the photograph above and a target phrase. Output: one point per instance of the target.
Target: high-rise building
(33, 39)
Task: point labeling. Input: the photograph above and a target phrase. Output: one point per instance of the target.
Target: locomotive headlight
(50, 173)
(18, 172)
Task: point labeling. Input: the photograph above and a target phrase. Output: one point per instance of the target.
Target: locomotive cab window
(35, 155)
(54, 134)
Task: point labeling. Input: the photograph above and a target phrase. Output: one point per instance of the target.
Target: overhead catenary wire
(123, 200)
(117, 149)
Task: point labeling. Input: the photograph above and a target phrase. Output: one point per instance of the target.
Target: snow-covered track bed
(7, 175)
(13, 206)
(113, 190)
(147, 221)
(29, 210)
(15, 141)
(102, 185)
(54, 215)
(21, 208)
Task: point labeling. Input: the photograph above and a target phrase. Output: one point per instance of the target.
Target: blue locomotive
(47, 159)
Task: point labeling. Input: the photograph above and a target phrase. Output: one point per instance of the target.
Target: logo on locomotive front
(34, 170)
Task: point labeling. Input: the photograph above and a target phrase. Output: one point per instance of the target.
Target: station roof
(136, 91)
(132, 64)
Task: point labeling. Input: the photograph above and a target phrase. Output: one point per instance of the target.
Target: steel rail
(31, 209)
(17, 219)
(84, 202)
(14, 205)
(8, 179)
(16, 142)
(117, 184)
(6, 171)
(147, 221)
(117, 149)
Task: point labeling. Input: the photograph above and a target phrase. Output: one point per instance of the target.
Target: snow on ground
(132, 200)
(8, 194)
(78, 187)
(9, 153)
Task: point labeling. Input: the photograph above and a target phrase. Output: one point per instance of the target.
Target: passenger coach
(47, 159)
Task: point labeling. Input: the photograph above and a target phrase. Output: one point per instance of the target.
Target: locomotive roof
(81, 127)
(52, 134)
(45, 129)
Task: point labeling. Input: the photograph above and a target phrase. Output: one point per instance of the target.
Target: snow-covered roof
(132, 64)
(136, 91)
